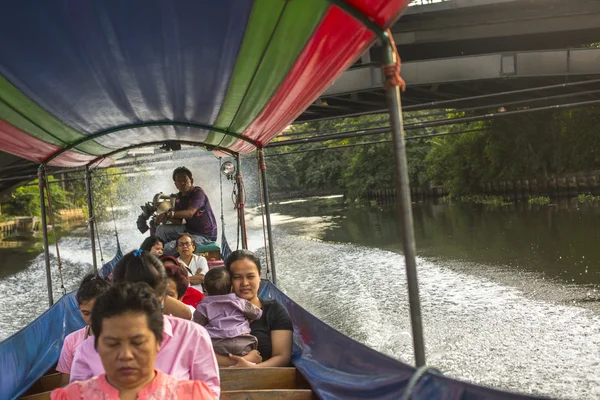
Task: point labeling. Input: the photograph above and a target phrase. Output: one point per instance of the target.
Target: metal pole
(91, 215)
(41, 182)
(241, 201)
(392, 94)
(263, 175)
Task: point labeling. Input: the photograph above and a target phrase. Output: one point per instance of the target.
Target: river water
(509, 296)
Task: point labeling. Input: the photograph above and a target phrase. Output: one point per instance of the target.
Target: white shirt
(197, 263)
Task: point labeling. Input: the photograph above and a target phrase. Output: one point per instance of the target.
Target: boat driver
(191, 205)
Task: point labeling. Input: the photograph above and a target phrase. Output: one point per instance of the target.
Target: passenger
(225, 316)
(153, 245)
(191, 296)
(128, 330)
(90, 288)
(178, 284)
(195, 264)
(274, 328)
(186, 350)
(191, 205)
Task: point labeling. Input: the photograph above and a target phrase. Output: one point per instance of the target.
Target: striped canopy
(230, 74)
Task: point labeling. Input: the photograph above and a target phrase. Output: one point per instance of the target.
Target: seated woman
(90, 288)
(152, 245)
(178, 284)
(191, 296)
(225, 316)
(127, 323)
(196, 265)
(273, 329)
(186, 350)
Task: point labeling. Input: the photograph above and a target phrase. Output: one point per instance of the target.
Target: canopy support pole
(240, 201)
(91, 215)
(263, 174)
(392, 94)
(42, 182)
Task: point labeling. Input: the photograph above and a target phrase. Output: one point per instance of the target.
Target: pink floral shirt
(162, 387)
(68, 350)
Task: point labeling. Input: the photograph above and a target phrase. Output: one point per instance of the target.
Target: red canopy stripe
(21, 144)
(336, 43)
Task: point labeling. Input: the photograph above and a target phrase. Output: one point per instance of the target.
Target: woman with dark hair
(186, 350)
(195, 264)
(178, 277)
(90, 288)
(128, 330)
(153, 245)
(273, 329)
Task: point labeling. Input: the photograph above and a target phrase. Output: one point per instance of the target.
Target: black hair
(217, 281)
(149, 243)
(128, 297)
(92, 286)
(141, 266)
(241, 255)
(182, 170)
(185, 234)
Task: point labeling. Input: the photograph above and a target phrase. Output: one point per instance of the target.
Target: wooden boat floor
(236, 384)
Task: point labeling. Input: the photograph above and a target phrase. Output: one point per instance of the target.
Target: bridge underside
(454, 80)
(461, 48)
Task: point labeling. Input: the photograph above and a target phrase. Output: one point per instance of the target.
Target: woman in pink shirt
(90, 288)
(127, 323)
(186, 349)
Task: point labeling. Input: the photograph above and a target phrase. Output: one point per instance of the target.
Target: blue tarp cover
(29, 353)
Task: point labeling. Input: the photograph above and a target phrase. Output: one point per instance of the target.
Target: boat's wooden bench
(236, 384)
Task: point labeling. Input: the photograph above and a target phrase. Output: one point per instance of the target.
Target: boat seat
(37, 396)
(285, 394)
(205, 248)
(278, 394)
(261, 379)
(45, 384)
(210, 251)
(236, 384)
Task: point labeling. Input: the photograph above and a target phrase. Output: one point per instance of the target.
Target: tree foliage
(511, 147)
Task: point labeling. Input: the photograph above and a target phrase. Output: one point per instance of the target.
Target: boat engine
(160, 203)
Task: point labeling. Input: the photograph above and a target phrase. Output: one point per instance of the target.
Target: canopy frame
(146, 125)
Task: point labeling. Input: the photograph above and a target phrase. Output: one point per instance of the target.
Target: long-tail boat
(84, 82)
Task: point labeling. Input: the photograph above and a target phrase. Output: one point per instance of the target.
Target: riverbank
(18, 251)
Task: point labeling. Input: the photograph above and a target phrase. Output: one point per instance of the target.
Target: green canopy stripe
(266, 63)
(24, 114)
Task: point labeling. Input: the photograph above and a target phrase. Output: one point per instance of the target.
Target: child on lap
(225, 316)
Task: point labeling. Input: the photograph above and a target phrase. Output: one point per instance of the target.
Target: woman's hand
(241, 362)
(254, 356)
(225, 361)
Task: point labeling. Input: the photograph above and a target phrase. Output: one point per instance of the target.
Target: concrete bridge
(454, 49)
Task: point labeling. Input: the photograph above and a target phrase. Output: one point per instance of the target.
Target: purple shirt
(203, 222)
(226, 316)
(185, 353)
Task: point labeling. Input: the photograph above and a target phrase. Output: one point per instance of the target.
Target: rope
(262, 166)
(93, 218)
(240, 206)
(98, 241)
(391, 72)
(112, 207)
(221, 189)
(416, 378)
(51, 217)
